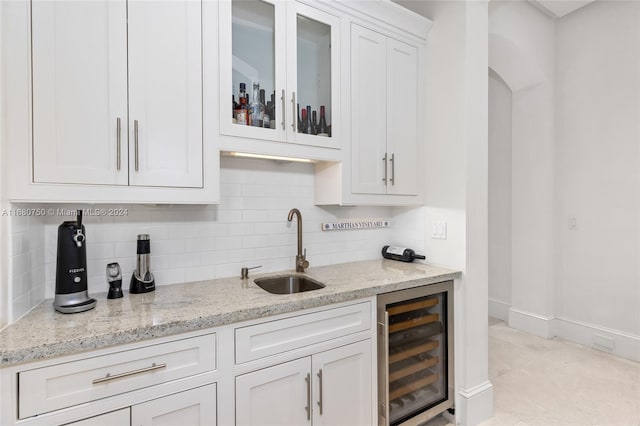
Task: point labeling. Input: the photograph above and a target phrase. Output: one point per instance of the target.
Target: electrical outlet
(573, 223)
(439, 230)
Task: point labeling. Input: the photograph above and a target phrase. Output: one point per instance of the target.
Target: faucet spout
(301, 258)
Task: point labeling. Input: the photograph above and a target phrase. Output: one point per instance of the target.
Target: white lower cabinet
(328, 388)
(120, 417)
(195, 407)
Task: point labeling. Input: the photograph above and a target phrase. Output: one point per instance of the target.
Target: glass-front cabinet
(279, 72)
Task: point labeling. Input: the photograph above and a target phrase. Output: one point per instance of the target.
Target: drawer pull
(108, 377)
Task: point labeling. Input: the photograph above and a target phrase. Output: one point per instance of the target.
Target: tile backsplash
(249, 227)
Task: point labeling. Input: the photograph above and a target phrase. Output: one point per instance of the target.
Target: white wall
(500, 112)
(532, 151)
(598, 168)
(456, 183)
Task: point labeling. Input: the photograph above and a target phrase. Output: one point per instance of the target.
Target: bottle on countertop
(403, 254)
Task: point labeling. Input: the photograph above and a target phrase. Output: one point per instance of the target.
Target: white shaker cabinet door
(369, 119)
(275, 396)
(402, 118)
(120, 418)
(343, 383)
(79, 51)
(165, 93)
(195, 407)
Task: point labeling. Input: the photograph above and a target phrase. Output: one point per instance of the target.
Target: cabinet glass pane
(314, 77)
(253, 64)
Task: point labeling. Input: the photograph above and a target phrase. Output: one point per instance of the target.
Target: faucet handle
(244, 272)
(303, 261)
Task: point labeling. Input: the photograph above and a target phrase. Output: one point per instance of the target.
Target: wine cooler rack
(415, 354)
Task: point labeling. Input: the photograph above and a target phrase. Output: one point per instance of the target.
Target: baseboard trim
(475, 405)
(532, 323)
(499, 309)
(619, 343)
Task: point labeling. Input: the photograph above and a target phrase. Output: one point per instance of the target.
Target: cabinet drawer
(63, 385)
(274, 337)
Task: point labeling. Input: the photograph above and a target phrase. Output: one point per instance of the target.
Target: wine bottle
(257, 108)
(314, 123)
(307, 127)
(403, 254)
(322, 125)
(299, 120)
(272, 111)
(304, 122)
(266, 118)
(242, 113)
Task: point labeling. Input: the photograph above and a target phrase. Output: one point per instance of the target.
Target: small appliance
(114, 278)
(71, 269)
(142, 280)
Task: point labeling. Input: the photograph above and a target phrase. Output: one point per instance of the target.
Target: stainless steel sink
(288, 284)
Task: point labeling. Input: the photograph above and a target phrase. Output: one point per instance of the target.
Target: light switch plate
(439, 230)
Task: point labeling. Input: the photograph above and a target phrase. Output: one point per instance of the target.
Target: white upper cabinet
(165, 93)
(119, 90)
(384, 83)
(279, 60)
(79, 92)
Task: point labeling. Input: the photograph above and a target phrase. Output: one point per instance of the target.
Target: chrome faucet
(301, 258)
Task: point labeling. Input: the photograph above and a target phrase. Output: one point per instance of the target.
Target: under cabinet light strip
(266, 157)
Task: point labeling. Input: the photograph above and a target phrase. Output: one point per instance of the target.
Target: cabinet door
(165, 93)
(195, 407)
(402, 118)
(275, 396)
(343, 386)
(120, 418)
(79, 52)
(313, 74)
(252, 50)
(369, 111)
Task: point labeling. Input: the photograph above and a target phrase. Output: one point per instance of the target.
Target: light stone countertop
(171, 309)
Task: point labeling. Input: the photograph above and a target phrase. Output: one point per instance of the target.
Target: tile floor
(557, 383)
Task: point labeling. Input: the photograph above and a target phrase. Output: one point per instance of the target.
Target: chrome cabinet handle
(135, 143)
(283, 107)
(384, 365)
(308, 407)
(109, 377)
(320, 385)
(118, 142)
(393, 169)
(294, 121)
(384, 160)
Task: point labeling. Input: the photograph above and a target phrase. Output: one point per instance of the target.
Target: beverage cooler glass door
(252, 69)
(415, 353)
(313, 76)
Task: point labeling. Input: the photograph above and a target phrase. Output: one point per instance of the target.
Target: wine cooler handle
(393, 169)
(384, 160)
(118, 142)
(320, 387)
(308, 407)
(294, 121)
(283, 108)
(135, 143)
(385, 364)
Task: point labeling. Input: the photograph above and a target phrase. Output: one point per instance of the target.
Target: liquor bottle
(257, 108)
(266, 118)
(314, 123)
(272, 111)
(302, 128)
(299, 120)
(307, 128)
(242, 113)
(322, 125)
(234, 107)
(402, 254)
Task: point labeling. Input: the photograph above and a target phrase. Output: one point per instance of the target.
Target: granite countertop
(172, 309)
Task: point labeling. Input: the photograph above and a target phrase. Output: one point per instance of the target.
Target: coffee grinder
(71, 269)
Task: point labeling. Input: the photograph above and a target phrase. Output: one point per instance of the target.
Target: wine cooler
(415, 354)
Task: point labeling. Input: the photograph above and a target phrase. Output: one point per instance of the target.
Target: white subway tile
(183, 231)
(19, 264)
(200, 273)
(167, 247)
(100, 251)
(169, 276)
(254, 216)
(240, 229)
(230, 190)
(255, 190)
(184, 260)
(214, 229)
